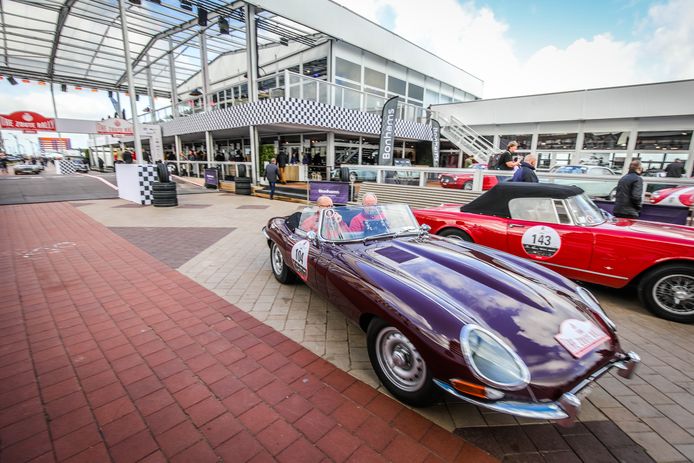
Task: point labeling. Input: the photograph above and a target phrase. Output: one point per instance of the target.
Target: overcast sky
(516, 47)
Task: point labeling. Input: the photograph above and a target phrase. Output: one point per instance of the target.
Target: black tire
(411, 382)
(171, 167)
(163, 173)
(344, 174)
(166, 204)
(467, 186)
(243, 180)
(455, 233)
(241, 171)
(158, 186)
(282, 273)
(668, 292)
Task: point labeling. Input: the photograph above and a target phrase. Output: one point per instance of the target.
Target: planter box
(227, 186)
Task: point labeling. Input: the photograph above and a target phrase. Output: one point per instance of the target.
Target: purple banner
(337, 191)
(211, 177)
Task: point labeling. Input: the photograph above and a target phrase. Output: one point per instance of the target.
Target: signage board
(387, 142)
(115, 126)
(27, 121)
(212, 177)
(337, 191)
(435, 142)
(54, 144)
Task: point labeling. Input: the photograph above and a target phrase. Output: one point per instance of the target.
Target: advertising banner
(337, 191)
(212, 177)
(114, 127)
(385, 147)
(54, 144)
(27, 121)
(435, 142)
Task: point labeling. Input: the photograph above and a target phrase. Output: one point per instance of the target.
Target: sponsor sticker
(580, 337)
(300, 258)
(541, 241)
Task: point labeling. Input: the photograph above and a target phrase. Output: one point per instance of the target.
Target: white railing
(197, 168)
(467, 138)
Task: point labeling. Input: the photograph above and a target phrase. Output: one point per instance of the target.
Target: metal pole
(55, 107)
(251, 53)
(255, 152)
(205, 70)
(131, 84)
(150, 93)
(172, 78)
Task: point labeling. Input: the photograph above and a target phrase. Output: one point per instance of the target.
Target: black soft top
(495, 201)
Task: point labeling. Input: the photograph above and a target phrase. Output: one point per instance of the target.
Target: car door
(305, 255)
(541, 229)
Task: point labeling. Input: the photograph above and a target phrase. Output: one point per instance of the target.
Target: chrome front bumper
(565, 410)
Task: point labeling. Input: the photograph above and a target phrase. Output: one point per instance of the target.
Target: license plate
(579, 337)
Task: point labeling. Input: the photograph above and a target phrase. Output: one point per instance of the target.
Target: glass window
(523, 141)
(556, 141)
(317, 69)
(374, 78)
(396, 85)
(563, 214)
(605, 140)
(347, 84)
(674, 140)
(294, 69)
(347, 69)
(430, 97)
(415, 91)
(533, 209)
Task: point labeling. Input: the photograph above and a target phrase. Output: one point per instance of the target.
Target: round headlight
(492, 361)
(594, 305)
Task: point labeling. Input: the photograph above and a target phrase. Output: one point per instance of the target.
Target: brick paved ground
(107, 354)
(655, 409)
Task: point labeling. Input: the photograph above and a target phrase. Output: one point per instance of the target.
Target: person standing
(628, 200)
(526, 170)
(3, 163)
(282, 163)
(101, 164)
(271, 175)
(675, 169)
(506, 161)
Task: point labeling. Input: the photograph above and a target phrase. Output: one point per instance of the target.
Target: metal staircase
(466, 139)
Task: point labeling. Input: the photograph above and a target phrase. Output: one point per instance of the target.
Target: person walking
(628, 200)
(282, 163)
(101, 164)
(3, 163)
(675, 169)
(272, 175)
(526, 170)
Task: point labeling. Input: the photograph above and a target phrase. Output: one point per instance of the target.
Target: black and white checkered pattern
(66, 167)
(147, 175)
(292, 111)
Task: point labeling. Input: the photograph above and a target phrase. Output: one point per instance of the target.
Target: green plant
(267, 152)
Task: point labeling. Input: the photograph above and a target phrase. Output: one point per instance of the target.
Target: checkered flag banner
(292, 111)
(65, 167)
(147, 175)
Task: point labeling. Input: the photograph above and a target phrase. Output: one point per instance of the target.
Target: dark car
(440, 314)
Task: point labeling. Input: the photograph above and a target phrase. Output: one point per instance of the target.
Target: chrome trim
(264, 230)
(565, 410)
(465, 346)
(578, 269)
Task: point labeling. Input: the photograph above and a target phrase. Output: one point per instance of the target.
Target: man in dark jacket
(282, 163)
(526, 170)
(675, 169)
(272, 175)
(629, 193)
(506, 161)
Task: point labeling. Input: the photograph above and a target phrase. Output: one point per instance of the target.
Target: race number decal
(580, 337)
(300, 258)
(541, 241)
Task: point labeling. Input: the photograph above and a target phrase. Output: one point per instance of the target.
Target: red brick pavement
(107, 354)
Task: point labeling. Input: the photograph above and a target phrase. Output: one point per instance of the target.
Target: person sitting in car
(334, 226)
(369, 212)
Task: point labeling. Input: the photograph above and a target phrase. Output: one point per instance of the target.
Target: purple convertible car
(443, 314)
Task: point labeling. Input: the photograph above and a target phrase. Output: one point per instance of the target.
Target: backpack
(493, 163)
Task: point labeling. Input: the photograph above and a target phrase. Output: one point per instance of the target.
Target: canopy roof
(80, 42)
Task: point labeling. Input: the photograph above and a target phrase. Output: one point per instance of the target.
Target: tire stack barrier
(242, 184)
(164, 191)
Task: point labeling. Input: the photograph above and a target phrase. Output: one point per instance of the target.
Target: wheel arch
(457, 228)
(660, 264)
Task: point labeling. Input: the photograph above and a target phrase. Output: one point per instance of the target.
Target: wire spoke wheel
(277, 260)
(675, 293)
(399, 360)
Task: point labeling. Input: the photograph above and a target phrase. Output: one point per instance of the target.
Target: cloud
(473, 38)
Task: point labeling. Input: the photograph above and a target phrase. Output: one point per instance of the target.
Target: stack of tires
(242, 184)
(164, 191)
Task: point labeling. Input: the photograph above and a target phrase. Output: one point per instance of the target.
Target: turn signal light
(476, 390)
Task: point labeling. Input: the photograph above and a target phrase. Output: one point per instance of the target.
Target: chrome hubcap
(277, 260)
(675, 293)
(400, 360)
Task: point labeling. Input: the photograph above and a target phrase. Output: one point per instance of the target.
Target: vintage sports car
(492, 329)
(680, 196)
(561, 228)
(27, 169)
(463, 181)
(593, 188)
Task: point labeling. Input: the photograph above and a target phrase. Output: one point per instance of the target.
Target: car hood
(654, 229)
(523, 303)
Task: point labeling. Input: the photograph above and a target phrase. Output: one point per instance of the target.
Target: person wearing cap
(506, 161)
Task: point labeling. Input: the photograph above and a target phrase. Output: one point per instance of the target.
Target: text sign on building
(337, 191)
(386, 145)
(435, 142)
(114, 127)
(27, 121)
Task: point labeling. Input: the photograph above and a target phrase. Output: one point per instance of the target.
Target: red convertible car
(561, 228)
(443, 315)
(678, 196)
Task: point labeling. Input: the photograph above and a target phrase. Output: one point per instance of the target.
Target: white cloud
(473, 38)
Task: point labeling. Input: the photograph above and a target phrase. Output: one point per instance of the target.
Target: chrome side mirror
(312, 236)
(424, 228)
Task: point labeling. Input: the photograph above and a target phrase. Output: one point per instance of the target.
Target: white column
(255, 151)
(209, 146)
(172, 78)
(205, 70)
(131, 84)
(251, 50)
(330, 154)
(689, 163)
(631, 147)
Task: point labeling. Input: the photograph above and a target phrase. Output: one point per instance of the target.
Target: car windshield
(571, 170)
(585, 211)
(350, 223)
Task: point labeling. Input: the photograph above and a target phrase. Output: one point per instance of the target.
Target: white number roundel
(541, 241)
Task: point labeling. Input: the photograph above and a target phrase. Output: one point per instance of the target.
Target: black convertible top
(495, 201)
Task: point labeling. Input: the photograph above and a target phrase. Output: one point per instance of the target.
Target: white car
(594, 188)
